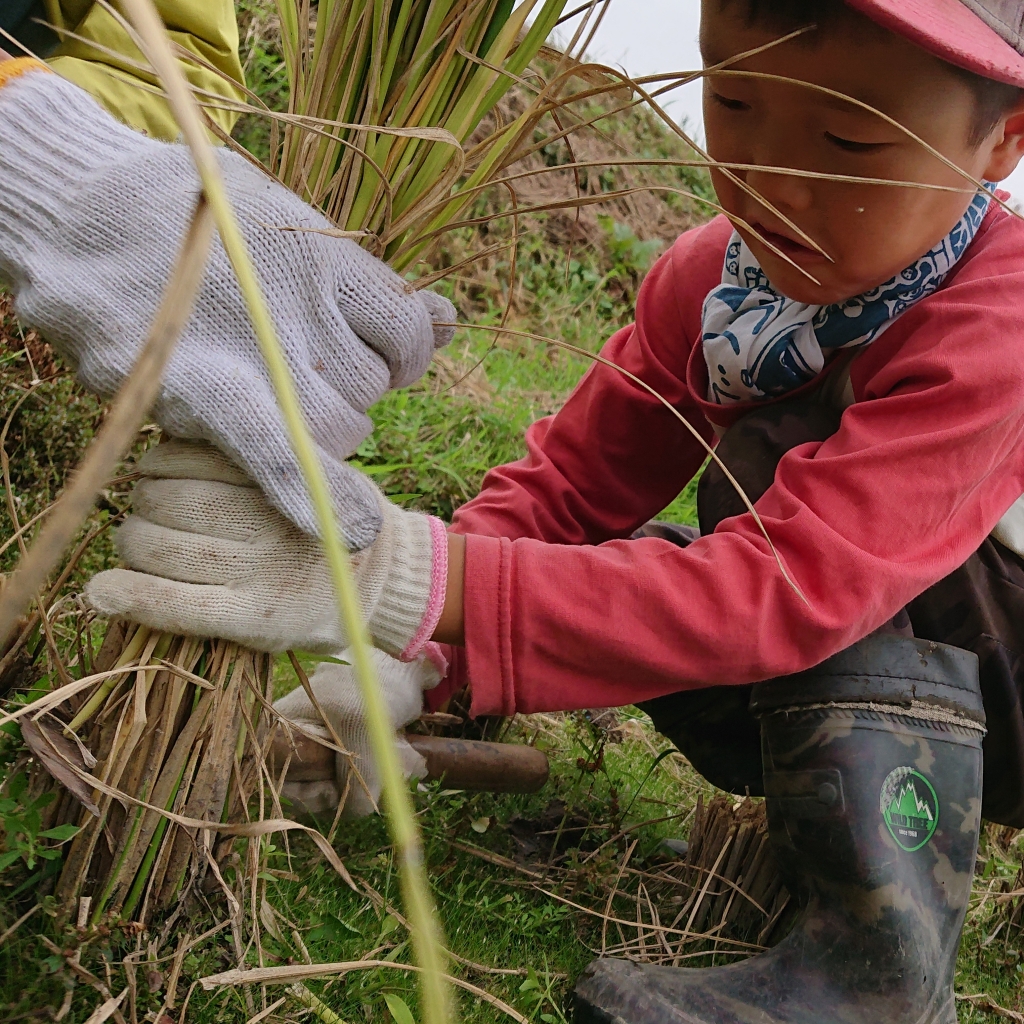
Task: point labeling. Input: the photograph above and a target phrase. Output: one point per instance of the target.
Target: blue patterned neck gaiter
(758, 344)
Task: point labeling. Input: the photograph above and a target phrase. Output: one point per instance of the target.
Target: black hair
(992, 99)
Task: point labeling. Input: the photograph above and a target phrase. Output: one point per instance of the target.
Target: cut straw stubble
(170, 738)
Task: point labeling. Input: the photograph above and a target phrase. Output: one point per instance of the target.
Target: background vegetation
(510, 873)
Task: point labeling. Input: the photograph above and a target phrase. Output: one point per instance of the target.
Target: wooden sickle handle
(462, 764)
(490, 767)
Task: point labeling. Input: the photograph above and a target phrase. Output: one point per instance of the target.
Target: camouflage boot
(872, 772)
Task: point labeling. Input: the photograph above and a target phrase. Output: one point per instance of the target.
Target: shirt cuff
(435, 596)
(488, 621)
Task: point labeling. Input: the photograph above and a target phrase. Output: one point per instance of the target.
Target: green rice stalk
(96, 701)
(398, 64)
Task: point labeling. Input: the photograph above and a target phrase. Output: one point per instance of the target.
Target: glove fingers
(414, 764)
(441, 312)
(312, 799)
(171, 606)
(364, 786)
(256, 440)
(355, 498)
(188, 557)
(297, 707)
(338, 694)
(364, 789)
(251, 431)
(210, 509)
(341, 359)
(401, 683)
(178, 459)
(337, 426)
(387, 314)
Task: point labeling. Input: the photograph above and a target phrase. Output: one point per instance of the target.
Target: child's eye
(854, 147)
(728, 103)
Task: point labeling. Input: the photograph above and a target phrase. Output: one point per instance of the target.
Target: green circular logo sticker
(910, 807)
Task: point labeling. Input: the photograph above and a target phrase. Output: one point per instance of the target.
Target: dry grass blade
(56, 697)
(989, 1005)
(120, 427)
(612, 892)
(614, 162)
(824, 90)
(106, 1009)
(8, 932)
(272, 1008)
(301, 972)
(657, 929)
(54, 752)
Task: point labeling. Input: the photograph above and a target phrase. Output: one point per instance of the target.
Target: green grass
(492, 915)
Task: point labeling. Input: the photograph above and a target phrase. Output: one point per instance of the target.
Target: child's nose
(786, 192)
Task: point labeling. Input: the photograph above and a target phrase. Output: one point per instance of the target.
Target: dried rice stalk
(731, 888)
(182, 729)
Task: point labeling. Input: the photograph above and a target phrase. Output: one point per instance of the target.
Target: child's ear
(1008, 149)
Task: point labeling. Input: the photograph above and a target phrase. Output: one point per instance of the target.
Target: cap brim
(950, 30)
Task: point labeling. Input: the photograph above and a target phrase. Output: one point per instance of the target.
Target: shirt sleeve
(585, 479)
(101, 58)
(921, 469)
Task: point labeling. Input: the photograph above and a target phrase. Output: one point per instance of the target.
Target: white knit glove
(210, 556)
(337, 691)
(91, 218)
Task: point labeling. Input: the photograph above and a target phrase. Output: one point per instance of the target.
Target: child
(871, 399)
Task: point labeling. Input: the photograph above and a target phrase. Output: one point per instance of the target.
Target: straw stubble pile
(724, 899)
(735, 890)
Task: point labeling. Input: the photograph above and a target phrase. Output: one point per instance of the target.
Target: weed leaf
(399, 1009)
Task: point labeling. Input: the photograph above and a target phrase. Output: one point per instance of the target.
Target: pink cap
(983, 36)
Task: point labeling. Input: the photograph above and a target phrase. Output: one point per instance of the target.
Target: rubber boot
(872, 772)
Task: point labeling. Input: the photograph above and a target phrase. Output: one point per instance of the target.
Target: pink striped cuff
(438, 588)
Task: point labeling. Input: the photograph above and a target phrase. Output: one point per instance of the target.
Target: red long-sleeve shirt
(563, 612)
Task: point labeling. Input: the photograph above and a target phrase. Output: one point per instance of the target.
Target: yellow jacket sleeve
(100, 55)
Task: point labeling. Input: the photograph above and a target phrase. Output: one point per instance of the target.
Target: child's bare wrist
(451, 626)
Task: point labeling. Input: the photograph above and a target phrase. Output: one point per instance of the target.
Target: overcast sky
(647, 37)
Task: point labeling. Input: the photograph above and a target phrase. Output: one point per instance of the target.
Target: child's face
(871, 231)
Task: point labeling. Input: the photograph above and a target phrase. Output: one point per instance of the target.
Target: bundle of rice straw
(382, 99)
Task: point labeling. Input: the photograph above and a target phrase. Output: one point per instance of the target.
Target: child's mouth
(796, 251)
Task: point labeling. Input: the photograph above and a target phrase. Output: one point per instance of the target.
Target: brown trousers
(978, 607)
